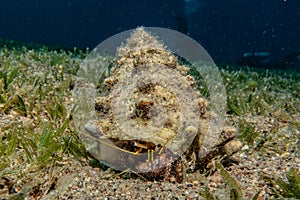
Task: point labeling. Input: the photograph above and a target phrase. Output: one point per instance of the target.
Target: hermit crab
(140, 106)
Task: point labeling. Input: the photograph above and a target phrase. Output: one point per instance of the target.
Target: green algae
(35, 86)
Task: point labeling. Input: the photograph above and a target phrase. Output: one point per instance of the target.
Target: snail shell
(147, 110)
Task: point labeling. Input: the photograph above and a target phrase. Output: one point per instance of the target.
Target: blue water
(227, 29)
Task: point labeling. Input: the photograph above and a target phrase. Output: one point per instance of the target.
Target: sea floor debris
(270, 111)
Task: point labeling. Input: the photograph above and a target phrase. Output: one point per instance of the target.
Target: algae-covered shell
(145, 105)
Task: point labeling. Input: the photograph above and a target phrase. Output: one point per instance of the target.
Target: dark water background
(225, 28)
